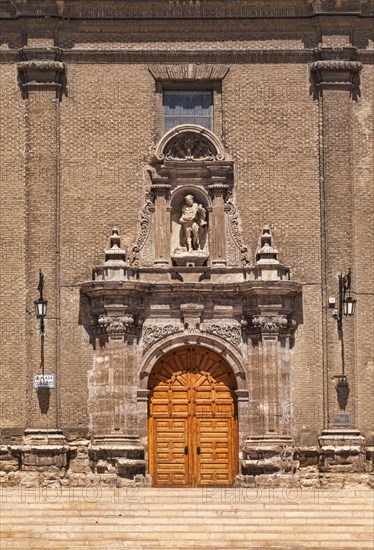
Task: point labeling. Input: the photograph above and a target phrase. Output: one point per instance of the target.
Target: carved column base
(42, 459)
(342, 451)
(119, 457)
(268, 454)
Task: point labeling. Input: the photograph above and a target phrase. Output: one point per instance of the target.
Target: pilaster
(161, 190)
(336, 79)
(40, 76)
(218, 190)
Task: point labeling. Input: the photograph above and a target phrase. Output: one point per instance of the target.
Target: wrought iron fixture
(41, 304)
(347, 304)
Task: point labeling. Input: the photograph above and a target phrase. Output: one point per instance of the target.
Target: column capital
(41, 69)
(218, 186)
(336, 68)
(116, 327)
(161, 187)
(271, 324)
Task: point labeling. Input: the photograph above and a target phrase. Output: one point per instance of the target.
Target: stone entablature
(108, 9)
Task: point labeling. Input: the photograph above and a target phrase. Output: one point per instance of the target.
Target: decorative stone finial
(114, 267)
(115, 256)
(266, 253)
(268, 267)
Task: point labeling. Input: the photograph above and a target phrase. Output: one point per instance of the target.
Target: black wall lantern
(41, 304)
(347, 304)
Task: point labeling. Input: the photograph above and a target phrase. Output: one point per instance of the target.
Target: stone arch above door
(208, 342)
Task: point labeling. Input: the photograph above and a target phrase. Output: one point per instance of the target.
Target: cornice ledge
(137, 287)
(337, 7)
(209, 57)
(148, 9)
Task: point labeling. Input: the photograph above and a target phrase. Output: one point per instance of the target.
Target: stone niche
(189, 228)
(189, 219)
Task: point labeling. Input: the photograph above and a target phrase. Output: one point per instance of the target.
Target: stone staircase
(214, 518)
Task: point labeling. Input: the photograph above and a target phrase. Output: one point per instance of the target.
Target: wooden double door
(192, 420)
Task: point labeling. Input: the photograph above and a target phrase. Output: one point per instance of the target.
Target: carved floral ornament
(189, 147)
(232, 333)
(188, 143)
(235, 231)
(154, 333)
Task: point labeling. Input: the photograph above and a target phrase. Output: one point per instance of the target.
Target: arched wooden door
(192, 420)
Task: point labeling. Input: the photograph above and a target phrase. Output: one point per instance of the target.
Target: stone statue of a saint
(193, 219)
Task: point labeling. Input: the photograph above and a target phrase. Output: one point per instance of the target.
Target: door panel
(192, 421)
(171, 462)
(213, 442)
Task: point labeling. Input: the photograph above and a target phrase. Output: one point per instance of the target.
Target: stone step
(182, 520)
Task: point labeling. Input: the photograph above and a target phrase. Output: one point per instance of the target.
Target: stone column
(217, 248)
(336, 86)
(161, 189)
(41, 80)
(269, 447)
(116, 449)
(270, 334)
(112, 390)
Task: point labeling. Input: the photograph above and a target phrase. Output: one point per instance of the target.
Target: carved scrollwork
(229, 332)
(144, 221)
(190, 147)
(235, 231)
(153, 333)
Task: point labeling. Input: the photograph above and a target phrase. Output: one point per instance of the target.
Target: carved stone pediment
(190, 147)
(189, 142)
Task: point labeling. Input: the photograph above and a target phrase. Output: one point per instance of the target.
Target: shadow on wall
(85, 318)
(44, 395)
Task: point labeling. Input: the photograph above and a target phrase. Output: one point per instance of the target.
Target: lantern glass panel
(40, 308)
(349, 306)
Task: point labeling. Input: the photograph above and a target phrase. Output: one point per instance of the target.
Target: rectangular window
(187, 107)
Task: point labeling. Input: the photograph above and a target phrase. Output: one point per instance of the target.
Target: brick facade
(81, 110)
